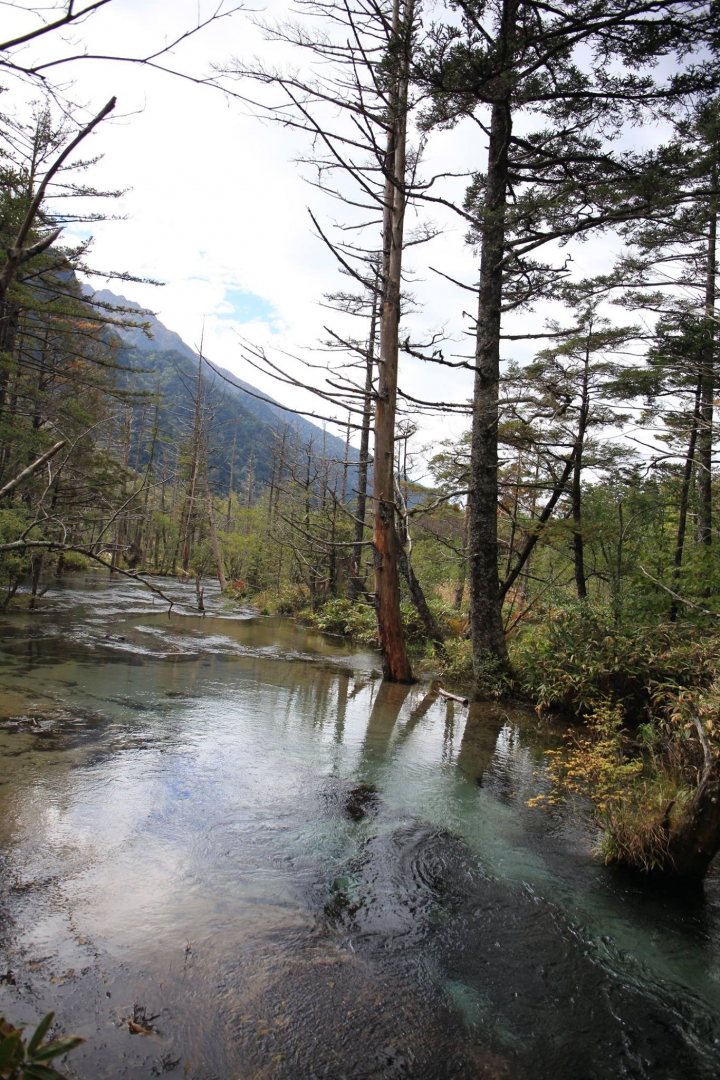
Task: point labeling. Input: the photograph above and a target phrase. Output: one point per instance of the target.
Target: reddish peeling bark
(396, 664)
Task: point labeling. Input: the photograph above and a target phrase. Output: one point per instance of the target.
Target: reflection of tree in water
(389, 700)
(311, 690)
(343, 685)
(362, 799)
(483, 726)
(417, 714)
(482, 730)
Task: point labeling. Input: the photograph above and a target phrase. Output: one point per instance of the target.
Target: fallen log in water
(452, 697)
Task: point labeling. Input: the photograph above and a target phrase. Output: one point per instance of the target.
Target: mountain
(164, 362)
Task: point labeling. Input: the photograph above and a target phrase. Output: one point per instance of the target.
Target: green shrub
(457, 663)
(31, 1060)
(356, 619)
(576, 658)
(14, 565)
(289, 601)
(415, 635)
(75, 560)
(349, 618)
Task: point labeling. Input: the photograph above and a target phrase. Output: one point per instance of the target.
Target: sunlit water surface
(226, 831)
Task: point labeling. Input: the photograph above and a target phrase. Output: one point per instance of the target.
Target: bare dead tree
(355, 102)
(58, 52)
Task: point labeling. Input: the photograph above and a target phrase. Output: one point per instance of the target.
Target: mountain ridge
(244, 415)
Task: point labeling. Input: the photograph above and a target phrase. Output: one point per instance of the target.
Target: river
(228, 850)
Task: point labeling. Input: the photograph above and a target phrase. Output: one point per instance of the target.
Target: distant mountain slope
(167, 363)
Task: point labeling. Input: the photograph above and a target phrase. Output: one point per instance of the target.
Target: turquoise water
(229, 833)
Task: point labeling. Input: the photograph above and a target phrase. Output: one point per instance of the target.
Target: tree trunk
(525, 587)
(705, 439)
(213, 534)
(618, 598)
(142, 537)
(578, 545)
(355, 585)
(121, 524)
(9, 317)
(538, 527)
(487, 634)
(280, 469)
(343, 490)
(695, 839)
(396, 664)
(462, 572)
(189, 526)
(684, 499)
(36, 564)
(429, 622)
(333, 564)
(230, 483)
(513, 520)
(272, 492)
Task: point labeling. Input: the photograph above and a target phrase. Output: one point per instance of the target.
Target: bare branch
(11, 485)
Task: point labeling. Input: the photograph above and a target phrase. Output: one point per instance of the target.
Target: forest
(563, 550)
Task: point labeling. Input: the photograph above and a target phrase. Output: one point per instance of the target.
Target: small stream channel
(228, 832)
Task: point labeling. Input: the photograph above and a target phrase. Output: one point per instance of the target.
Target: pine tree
(513, 59)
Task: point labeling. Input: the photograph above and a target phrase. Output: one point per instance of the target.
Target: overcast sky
(216, 209)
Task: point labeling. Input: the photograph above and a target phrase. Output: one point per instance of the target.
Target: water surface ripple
(227, 831)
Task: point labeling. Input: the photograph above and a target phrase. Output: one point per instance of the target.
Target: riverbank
(643, 702)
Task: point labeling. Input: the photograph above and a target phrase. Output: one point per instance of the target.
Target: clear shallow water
(231, 826)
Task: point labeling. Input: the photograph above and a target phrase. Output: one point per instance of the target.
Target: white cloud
(215, 205)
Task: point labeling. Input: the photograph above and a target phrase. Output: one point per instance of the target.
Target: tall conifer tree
(584, 68)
